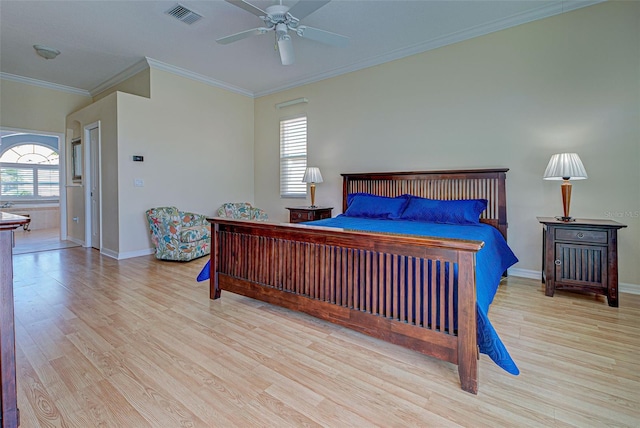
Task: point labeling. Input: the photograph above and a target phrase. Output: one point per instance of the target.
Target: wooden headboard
(486, 184)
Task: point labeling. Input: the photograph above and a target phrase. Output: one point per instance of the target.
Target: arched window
(29, 171)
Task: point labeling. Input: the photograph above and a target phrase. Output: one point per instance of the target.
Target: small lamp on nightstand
(565, 166)
(312, 175)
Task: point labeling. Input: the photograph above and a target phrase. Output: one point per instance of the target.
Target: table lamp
(312, 175)
(565, 167)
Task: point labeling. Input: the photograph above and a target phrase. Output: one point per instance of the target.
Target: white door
(94, 186)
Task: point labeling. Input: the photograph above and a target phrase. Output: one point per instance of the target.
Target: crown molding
(481, 30)
(43, 84)
(512, 21)
(120, 77)
(136, 68)
(197, 77)
(126, 74)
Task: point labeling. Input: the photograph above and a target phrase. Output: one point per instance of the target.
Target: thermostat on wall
(137, 158)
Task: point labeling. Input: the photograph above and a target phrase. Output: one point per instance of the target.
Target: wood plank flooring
(31, 241)
(137, 343)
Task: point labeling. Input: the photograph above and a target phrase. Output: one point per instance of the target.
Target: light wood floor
(137, 343)
(31, 241)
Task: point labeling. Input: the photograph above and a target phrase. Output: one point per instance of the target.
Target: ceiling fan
(282, 19)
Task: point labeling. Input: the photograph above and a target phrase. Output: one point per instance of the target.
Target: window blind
(48, 183)
(29, 181)
(293, 157)
(17, 181)
(29, 171)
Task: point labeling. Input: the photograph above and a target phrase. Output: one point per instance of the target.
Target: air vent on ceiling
(184, 14)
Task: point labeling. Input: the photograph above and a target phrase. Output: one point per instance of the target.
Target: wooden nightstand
(300, 214)
(581, 255)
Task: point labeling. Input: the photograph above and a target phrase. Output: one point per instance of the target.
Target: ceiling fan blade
(286, 50)
(322, 36)
(248, 7)
(306, 7)
(242, 35)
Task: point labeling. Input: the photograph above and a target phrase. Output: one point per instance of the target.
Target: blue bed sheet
(491, 261)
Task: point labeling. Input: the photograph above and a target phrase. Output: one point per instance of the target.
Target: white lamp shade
(565, 165)
(312, 175)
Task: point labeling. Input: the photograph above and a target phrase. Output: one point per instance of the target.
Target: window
(29, 171)
(293, 157)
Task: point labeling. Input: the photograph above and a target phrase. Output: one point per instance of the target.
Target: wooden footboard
(416, 292)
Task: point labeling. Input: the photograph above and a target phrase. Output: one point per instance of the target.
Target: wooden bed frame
(327, 272)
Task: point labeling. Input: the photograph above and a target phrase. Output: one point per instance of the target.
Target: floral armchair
(242, 211)
(179, 235)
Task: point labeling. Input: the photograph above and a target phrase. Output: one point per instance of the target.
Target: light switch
(138, 182)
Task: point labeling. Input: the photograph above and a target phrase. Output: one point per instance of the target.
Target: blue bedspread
(491, 261)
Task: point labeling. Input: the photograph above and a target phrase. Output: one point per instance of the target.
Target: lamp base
(313, 195)
(566, 219)
(566, 198)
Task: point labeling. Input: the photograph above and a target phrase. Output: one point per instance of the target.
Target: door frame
(87, 174)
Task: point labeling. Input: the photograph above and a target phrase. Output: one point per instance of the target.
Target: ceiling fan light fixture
(46, 52)
(287, 57)
(281, 30)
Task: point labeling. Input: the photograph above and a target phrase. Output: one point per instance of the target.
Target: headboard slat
(486, 184)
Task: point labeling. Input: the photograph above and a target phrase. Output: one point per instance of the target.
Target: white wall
(36, 108)
(197, 143)
(104, 111)
(138, 84)
(507, 99)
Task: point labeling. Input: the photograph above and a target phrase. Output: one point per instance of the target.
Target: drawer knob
(580, 235)
(557, 262)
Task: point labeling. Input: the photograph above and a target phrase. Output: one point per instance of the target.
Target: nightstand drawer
(582, 235)
(324, 214)
(301, 216)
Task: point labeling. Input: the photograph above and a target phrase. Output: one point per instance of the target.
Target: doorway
(33, 185)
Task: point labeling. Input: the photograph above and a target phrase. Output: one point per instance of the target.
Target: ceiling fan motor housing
(278, 14)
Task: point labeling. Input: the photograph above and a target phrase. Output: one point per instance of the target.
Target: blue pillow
(373, 206)
(462, 211)
(350, 197)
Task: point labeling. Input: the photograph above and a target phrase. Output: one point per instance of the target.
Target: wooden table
(10, 412)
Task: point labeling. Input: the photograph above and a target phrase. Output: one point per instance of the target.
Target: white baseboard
(109, 253)
(75, 241)
(623, 287)
(121, 256)
(629, 288)
(131, 254)
(525, 273)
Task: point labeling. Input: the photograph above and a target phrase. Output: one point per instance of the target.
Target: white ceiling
(101, 39)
